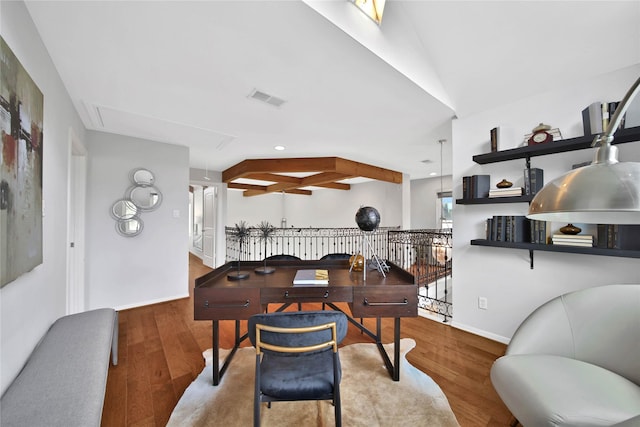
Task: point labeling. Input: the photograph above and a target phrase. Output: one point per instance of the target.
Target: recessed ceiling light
(433, 174)
(279, 147)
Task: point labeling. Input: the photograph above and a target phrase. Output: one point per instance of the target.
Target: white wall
(503, 275)
(324, 208)
(424, 201)
(30, 304)
(122, 271)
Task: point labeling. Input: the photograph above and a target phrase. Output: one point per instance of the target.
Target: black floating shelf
(579, 143)
(625, 253)
(491, 200)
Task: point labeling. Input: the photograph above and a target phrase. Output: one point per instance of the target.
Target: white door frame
(209, 221)
(76, 201)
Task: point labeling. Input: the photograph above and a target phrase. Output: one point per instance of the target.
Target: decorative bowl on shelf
(570, 229)
(504, 184)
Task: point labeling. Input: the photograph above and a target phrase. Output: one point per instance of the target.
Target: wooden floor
(161, 349)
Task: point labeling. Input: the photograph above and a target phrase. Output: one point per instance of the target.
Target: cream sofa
(575, 361)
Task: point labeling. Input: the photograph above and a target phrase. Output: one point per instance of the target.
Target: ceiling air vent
(265, 97)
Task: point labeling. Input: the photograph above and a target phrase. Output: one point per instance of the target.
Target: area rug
(369, 397)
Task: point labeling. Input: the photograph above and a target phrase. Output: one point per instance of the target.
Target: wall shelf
(625, 253)
(561, 146)
(492, 200)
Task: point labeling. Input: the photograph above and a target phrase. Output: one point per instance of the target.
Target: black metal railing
(305, 243)
(427, 255)
(424, 253)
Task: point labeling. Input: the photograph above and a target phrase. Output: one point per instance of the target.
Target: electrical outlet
(482, 303)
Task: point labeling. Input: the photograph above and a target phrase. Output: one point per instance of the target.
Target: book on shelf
(539, 232)
(596, 117)
(494, 133)
(505, 192)
(475, 186)
(615, 236)
(533, 180)
(592, 119)
(508, 228)
(311, 277)
(583, 240)
(585, 244)
(632, 116)
(573, 236)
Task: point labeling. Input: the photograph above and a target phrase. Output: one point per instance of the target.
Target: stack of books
(619, 236)
(584, 240)
(505, 192)
(508, 228)
(533, 180)
(539, 232)
(475, 186)
(311, 277)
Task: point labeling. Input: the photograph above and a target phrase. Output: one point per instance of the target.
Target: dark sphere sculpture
(367, 218)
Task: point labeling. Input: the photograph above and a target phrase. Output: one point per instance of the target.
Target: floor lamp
(605, 192)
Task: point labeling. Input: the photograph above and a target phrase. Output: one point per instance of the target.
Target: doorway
(76, 190)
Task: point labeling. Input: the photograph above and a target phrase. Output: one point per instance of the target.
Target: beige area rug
(369, 397)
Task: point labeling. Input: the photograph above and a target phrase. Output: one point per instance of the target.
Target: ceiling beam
(367, 171)
(324, 172)
(299, 164)
(257, 190)
(272, 177)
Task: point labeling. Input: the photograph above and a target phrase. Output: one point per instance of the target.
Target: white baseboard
(143, 303)
(480, 332)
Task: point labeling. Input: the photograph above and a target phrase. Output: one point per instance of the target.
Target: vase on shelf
(570, 229)
(504, 184)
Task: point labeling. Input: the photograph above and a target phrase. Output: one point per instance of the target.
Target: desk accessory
(239, 233)
(311, 277)
(266, 235)
(368, 219)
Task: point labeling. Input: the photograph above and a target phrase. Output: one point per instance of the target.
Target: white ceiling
(181, 72)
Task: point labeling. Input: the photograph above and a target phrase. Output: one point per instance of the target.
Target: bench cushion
(64, 380)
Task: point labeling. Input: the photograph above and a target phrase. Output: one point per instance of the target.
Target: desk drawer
(385, 301)
(306, 294)
(226, 303)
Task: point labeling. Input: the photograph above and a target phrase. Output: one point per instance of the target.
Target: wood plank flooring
(160, 354)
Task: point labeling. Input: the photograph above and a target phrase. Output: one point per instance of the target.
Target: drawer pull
(379, 304)
(286, 295)
(238, 305)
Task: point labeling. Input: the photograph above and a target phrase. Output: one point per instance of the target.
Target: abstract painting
(21, 116)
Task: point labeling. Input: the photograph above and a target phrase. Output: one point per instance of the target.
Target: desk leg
(217, 370)
(396, 349)
(216, 352)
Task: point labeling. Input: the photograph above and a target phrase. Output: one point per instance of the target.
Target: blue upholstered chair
(336, 256)
(297, 357)
(282, 257)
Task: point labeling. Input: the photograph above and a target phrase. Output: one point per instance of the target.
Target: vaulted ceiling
(183, 72)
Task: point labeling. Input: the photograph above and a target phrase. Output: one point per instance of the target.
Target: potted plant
(265, 235)
(240, 233)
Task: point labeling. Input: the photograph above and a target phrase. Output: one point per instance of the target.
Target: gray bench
(64, 380)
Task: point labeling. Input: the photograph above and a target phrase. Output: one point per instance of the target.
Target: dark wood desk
(216, 298)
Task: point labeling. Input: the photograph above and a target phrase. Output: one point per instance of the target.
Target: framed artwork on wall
(21, 118)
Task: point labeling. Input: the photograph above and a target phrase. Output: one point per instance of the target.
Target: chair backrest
(336, 256)
(283, 257)
(599, 325)
(297, 319)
